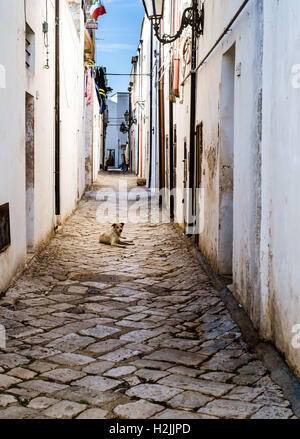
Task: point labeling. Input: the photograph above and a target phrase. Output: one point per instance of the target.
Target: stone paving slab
(138, 410)
(204, 386)
(223, 408)
(177, 356)
(153, 392)
(65, 410)
(93, 414)
(158, 342)
(97, 383)
(189, 400)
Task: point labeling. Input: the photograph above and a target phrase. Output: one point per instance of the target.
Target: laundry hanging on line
(88, 88)
(101, 89)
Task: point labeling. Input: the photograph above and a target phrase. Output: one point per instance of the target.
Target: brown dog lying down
(114, 237)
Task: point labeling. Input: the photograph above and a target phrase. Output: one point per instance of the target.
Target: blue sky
(119, 34)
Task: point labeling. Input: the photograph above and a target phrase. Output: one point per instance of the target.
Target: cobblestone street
(101, 332)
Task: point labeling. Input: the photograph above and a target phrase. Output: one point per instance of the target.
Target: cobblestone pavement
(101, 332)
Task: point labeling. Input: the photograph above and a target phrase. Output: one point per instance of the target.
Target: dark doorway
(29, 121)
(225, 245)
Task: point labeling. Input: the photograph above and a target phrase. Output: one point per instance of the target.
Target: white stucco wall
(93, 136)
(41, 85)
(72, 121)
(118, 104)
(97, 141)
(12, 134)
(280, 249)
(15, 82)
(263, 88)
(246, 34)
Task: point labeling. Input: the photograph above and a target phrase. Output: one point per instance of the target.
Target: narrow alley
(149, 222)
(100, 332)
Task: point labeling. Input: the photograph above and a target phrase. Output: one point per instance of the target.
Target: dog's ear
(123, 224)
(114, 225)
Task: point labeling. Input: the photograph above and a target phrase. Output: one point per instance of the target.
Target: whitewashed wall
(246, 34)
(280, 241)
(98, 139)
(118, 104)
(12, 134)
(72, 117)
(40, 85)
(252, 77)
(93, 137)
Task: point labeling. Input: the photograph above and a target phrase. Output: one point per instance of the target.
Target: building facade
(225, 138)
(116, 141)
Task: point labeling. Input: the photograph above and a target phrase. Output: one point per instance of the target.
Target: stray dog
(114, 237)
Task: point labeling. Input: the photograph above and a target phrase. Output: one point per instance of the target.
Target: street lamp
(127, 116)
(191, 17)
(123, 128)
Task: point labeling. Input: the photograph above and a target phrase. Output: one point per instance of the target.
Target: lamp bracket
(191, 17)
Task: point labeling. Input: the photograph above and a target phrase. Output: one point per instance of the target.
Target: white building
(42, 150)
(144, 96)
(115, 141)
(241, 150)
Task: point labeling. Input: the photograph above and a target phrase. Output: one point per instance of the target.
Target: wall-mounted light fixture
(123, 128)
(127, 116)
(191, 16)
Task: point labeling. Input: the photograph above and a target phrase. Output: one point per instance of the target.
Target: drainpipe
(138, 116)
(57, 108)
(160, 125)
(193, 115)
(171, 156)
(171, 135)
(151, 105)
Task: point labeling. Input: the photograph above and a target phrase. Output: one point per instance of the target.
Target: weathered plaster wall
(97, 141)
(280, 249)
(246, 35)
(15, 82)
(72, 117)
(118, 104)
(92, 137)
(12, 134)
(40, 85)
(141, 131)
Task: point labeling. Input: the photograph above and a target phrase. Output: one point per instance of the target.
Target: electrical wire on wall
(46, 37)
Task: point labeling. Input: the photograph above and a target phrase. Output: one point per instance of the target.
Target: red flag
(97, 9)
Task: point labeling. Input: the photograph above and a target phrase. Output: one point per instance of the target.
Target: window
(30, 49)
(4, 227)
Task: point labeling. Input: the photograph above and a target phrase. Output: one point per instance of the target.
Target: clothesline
(121, 74)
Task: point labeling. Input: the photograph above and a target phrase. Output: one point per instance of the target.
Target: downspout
(151, 104)
(138, 117)
(171, 124)
(57, 108)
(171, 136)
(159, 123)
(192, 118)
(142, 115)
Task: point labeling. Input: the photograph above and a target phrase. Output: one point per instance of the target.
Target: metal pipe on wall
(57, 108)
(151, 106)
(193, 115)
